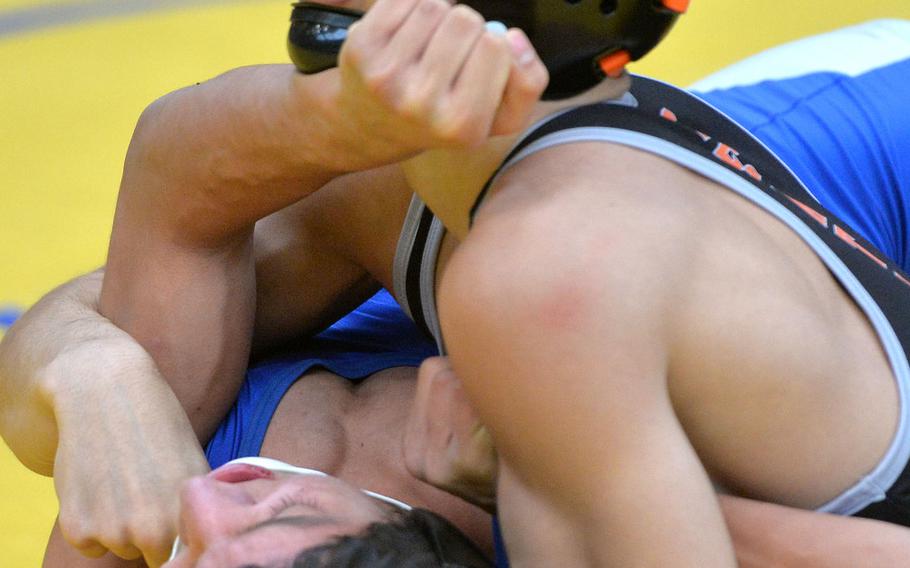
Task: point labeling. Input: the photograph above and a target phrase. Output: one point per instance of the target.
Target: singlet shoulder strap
(414, 269)
(661, 110)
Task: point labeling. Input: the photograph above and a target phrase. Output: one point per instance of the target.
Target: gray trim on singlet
(403, 253)
(428, 256)
(428, 280)
(872, 487)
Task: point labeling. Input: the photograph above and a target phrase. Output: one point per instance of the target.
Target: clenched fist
(422, 74)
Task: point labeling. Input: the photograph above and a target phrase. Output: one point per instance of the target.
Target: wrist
(327, 142)
(86, 374)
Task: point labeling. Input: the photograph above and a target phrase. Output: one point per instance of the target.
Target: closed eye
(282, 505)
(304, 498)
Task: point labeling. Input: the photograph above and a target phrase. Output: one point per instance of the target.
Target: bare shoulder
(599, 205)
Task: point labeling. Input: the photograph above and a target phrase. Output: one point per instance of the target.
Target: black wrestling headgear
(580, 41)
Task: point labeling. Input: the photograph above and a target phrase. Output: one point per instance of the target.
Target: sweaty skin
(204, 250)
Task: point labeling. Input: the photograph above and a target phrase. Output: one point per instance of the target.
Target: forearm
(766, 535)
(206, 163)
(58, 324)
(222, 154)
(59, 362)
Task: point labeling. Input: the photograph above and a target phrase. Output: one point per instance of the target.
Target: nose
(211, 510)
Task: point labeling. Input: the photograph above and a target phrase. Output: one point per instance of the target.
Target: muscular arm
(74, 386)
(311, 267)
(207, 162)
(204, 165)
(765, 535)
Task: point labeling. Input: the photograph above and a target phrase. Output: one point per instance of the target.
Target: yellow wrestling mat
(75, 74)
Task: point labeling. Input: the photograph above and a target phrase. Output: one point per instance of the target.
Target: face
(243, 514)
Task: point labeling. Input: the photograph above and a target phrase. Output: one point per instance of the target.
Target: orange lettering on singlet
(822, 220)
(668, 114)
(900, 277)
(850, 240)
(729, 156)
(750, 169)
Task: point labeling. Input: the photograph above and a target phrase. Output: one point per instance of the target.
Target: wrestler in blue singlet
(375, 336)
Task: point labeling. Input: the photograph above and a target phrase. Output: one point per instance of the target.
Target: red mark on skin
(563, 307)
(240, 472)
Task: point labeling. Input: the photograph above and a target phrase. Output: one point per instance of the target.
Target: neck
(449, 180)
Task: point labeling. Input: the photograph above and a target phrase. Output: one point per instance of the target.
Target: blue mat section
(8, 316)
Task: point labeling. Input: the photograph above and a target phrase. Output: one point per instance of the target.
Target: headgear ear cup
(316, 34)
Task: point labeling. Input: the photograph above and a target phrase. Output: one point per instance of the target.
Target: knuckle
(354, 50)
(77, 536)
(151, 543)
(460, 129)
(416, 101)
(76, 531)
(379, 80)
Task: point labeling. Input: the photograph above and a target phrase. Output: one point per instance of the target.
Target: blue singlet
(375, 336)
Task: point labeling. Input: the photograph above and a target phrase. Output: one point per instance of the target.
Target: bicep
(190, 307)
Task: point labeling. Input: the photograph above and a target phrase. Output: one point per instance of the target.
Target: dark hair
(413, 539)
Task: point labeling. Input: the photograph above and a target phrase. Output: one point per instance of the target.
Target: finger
(411, 38)
(156, 559)
(125, 551)
(385, 17)
(528, 78)
(92, 549)
(156, 550)
(426, 374)
(373, 32)
(77, 535)
(450, 46)
(478, 90)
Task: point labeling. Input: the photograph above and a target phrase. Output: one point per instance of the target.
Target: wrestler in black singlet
(672, 123)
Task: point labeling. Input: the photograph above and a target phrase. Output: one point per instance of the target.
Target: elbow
(145, 143)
